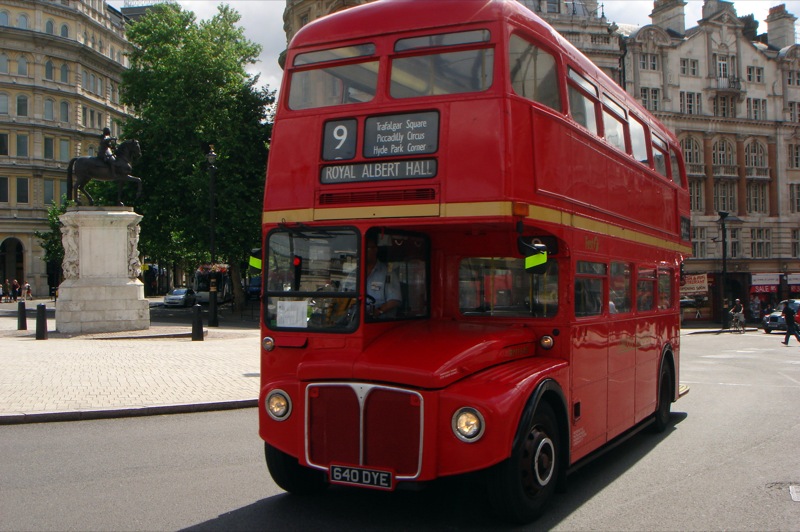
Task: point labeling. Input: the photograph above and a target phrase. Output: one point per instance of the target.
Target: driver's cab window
(395, 275)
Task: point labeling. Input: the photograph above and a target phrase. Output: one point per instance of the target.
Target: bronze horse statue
(87, 168)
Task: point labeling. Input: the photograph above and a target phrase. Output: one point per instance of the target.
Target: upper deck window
(442, 73)
(639, 141)
(583, 107)
(442, 39)
(334, 54)
(336, 85)
(534, 74)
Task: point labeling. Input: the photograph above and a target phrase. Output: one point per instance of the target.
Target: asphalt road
(727, 463)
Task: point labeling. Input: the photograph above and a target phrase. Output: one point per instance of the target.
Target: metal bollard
(41, 321)
(22, 319)
(197, 325)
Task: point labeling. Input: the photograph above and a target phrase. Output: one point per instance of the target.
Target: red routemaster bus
(473, 242)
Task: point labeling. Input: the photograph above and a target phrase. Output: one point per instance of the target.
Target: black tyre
(290, 475)
(665, 395)
(521, 486)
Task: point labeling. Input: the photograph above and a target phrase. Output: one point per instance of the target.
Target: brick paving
(160, 370)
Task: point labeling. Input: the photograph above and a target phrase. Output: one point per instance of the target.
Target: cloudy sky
(263, 22)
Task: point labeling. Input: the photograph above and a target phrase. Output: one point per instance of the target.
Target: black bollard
(22, 319)
(41, 321)
(197, 325)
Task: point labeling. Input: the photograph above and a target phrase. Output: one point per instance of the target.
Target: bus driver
(382, 285)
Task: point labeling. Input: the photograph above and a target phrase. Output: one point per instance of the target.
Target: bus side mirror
(535, 254)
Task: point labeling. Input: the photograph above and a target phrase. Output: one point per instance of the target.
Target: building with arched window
(48, 115)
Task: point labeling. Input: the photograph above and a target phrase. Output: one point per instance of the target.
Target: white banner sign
(765, 278)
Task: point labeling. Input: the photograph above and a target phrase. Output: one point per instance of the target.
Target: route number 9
(340, 139)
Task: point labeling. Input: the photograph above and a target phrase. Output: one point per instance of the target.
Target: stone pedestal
(101, 292)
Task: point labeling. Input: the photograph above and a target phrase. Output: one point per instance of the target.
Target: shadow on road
(449, 504)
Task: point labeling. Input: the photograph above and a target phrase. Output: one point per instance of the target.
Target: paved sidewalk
(157, 371)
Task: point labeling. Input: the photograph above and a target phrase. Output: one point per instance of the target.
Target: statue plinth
(100, 291)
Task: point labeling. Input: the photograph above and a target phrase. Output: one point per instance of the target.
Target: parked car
(180, 297)
(254, 288)
(775, 321)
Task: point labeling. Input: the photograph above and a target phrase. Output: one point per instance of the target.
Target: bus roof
(385, 17)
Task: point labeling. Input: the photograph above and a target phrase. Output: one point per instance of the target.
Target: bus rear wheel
(521, 486)
(289, 475)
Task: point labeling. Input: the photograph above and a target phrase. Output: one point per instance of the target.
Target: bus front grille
(377, 196)
(365, 425)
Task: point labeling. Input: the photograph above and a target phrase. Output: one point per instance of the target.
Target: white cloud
(263, 22)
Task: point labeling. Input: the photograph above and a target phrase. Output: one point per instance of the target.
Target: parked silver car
(775, 321)
(180, 297)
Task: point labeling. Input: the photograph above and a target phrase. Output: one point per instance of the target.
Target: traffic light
(297, 263)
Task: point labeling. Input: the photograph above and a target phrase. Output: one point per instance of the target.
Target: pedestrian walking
(27, 290)
(791, 327)
(15, 289)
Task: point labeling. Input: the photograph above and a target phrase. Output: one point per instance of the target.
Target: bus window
(589, 278)
(619, 297)
(533, 73)
(334, 54)
(676, 169)
(396, 283)
(323, 87)
(660, 156)
(645, 288)
(664, 289)
(638, 140)
(442, 73)
(581, 106)
(442, 39)
(306, 282)
(614, 123)
(500, 286)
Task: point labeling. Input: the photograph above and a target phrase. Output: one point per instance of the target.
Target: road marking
(794, 491)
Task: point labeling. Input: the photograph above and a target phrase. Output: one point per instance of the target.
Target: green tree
(51, 241)
(187, 85)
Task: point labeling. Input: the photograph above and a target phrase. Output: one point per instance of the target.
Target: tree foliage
(187, 85)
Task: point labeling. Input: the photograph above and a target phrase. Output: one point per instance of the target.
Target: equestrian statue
(113, 163)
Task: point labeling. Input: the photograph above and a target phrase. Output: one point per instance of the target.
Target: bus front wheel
(664, 399)
(521, 486)
(289, 475)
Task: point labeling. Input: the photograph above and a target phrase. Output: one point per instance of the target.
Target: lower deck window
(500, 286)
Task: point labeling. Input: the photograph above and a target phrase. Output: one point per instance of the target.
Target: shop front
(764, 294)
(695, 302)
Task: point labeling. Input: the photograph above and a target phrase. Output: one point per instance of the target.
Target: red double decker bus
(472, 246)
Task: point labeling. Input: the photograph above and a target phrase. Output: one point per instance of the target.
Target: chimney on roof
(780, 27)
(669, 15)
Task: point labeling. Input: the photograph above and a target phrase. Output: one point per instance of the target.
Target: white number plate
(362, 477)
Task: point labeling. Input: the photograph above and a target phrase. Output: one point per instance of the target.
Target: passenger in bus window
(383, 285)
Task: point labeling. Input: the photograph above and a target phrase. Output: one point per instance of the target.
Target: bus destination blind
(384, 137)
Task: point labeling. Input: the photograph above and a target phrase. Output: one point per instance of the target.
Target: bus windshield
(500, 286)
(314, 277)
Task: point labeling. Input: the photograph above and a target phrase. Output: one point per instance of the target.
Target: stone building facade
(60, 67)
(733, 98)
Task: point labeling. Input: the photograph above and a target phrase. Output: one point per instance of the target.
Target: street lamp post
(723, 278)
(211, 157)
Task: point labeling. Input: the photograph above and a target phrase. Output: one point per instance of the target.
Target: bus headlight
(268, 343)
(546, 342)
(278, 405)
(468, 424)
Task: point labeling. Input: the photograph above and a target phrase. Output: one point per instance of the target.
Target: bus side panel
(589, 387)
(569, 165)
(621, 376)
(648, 354)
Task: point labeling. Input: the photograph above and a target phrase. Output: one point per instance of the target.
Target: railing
(726, 170)
(696, 169)
(729, 84)
(757, 171)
